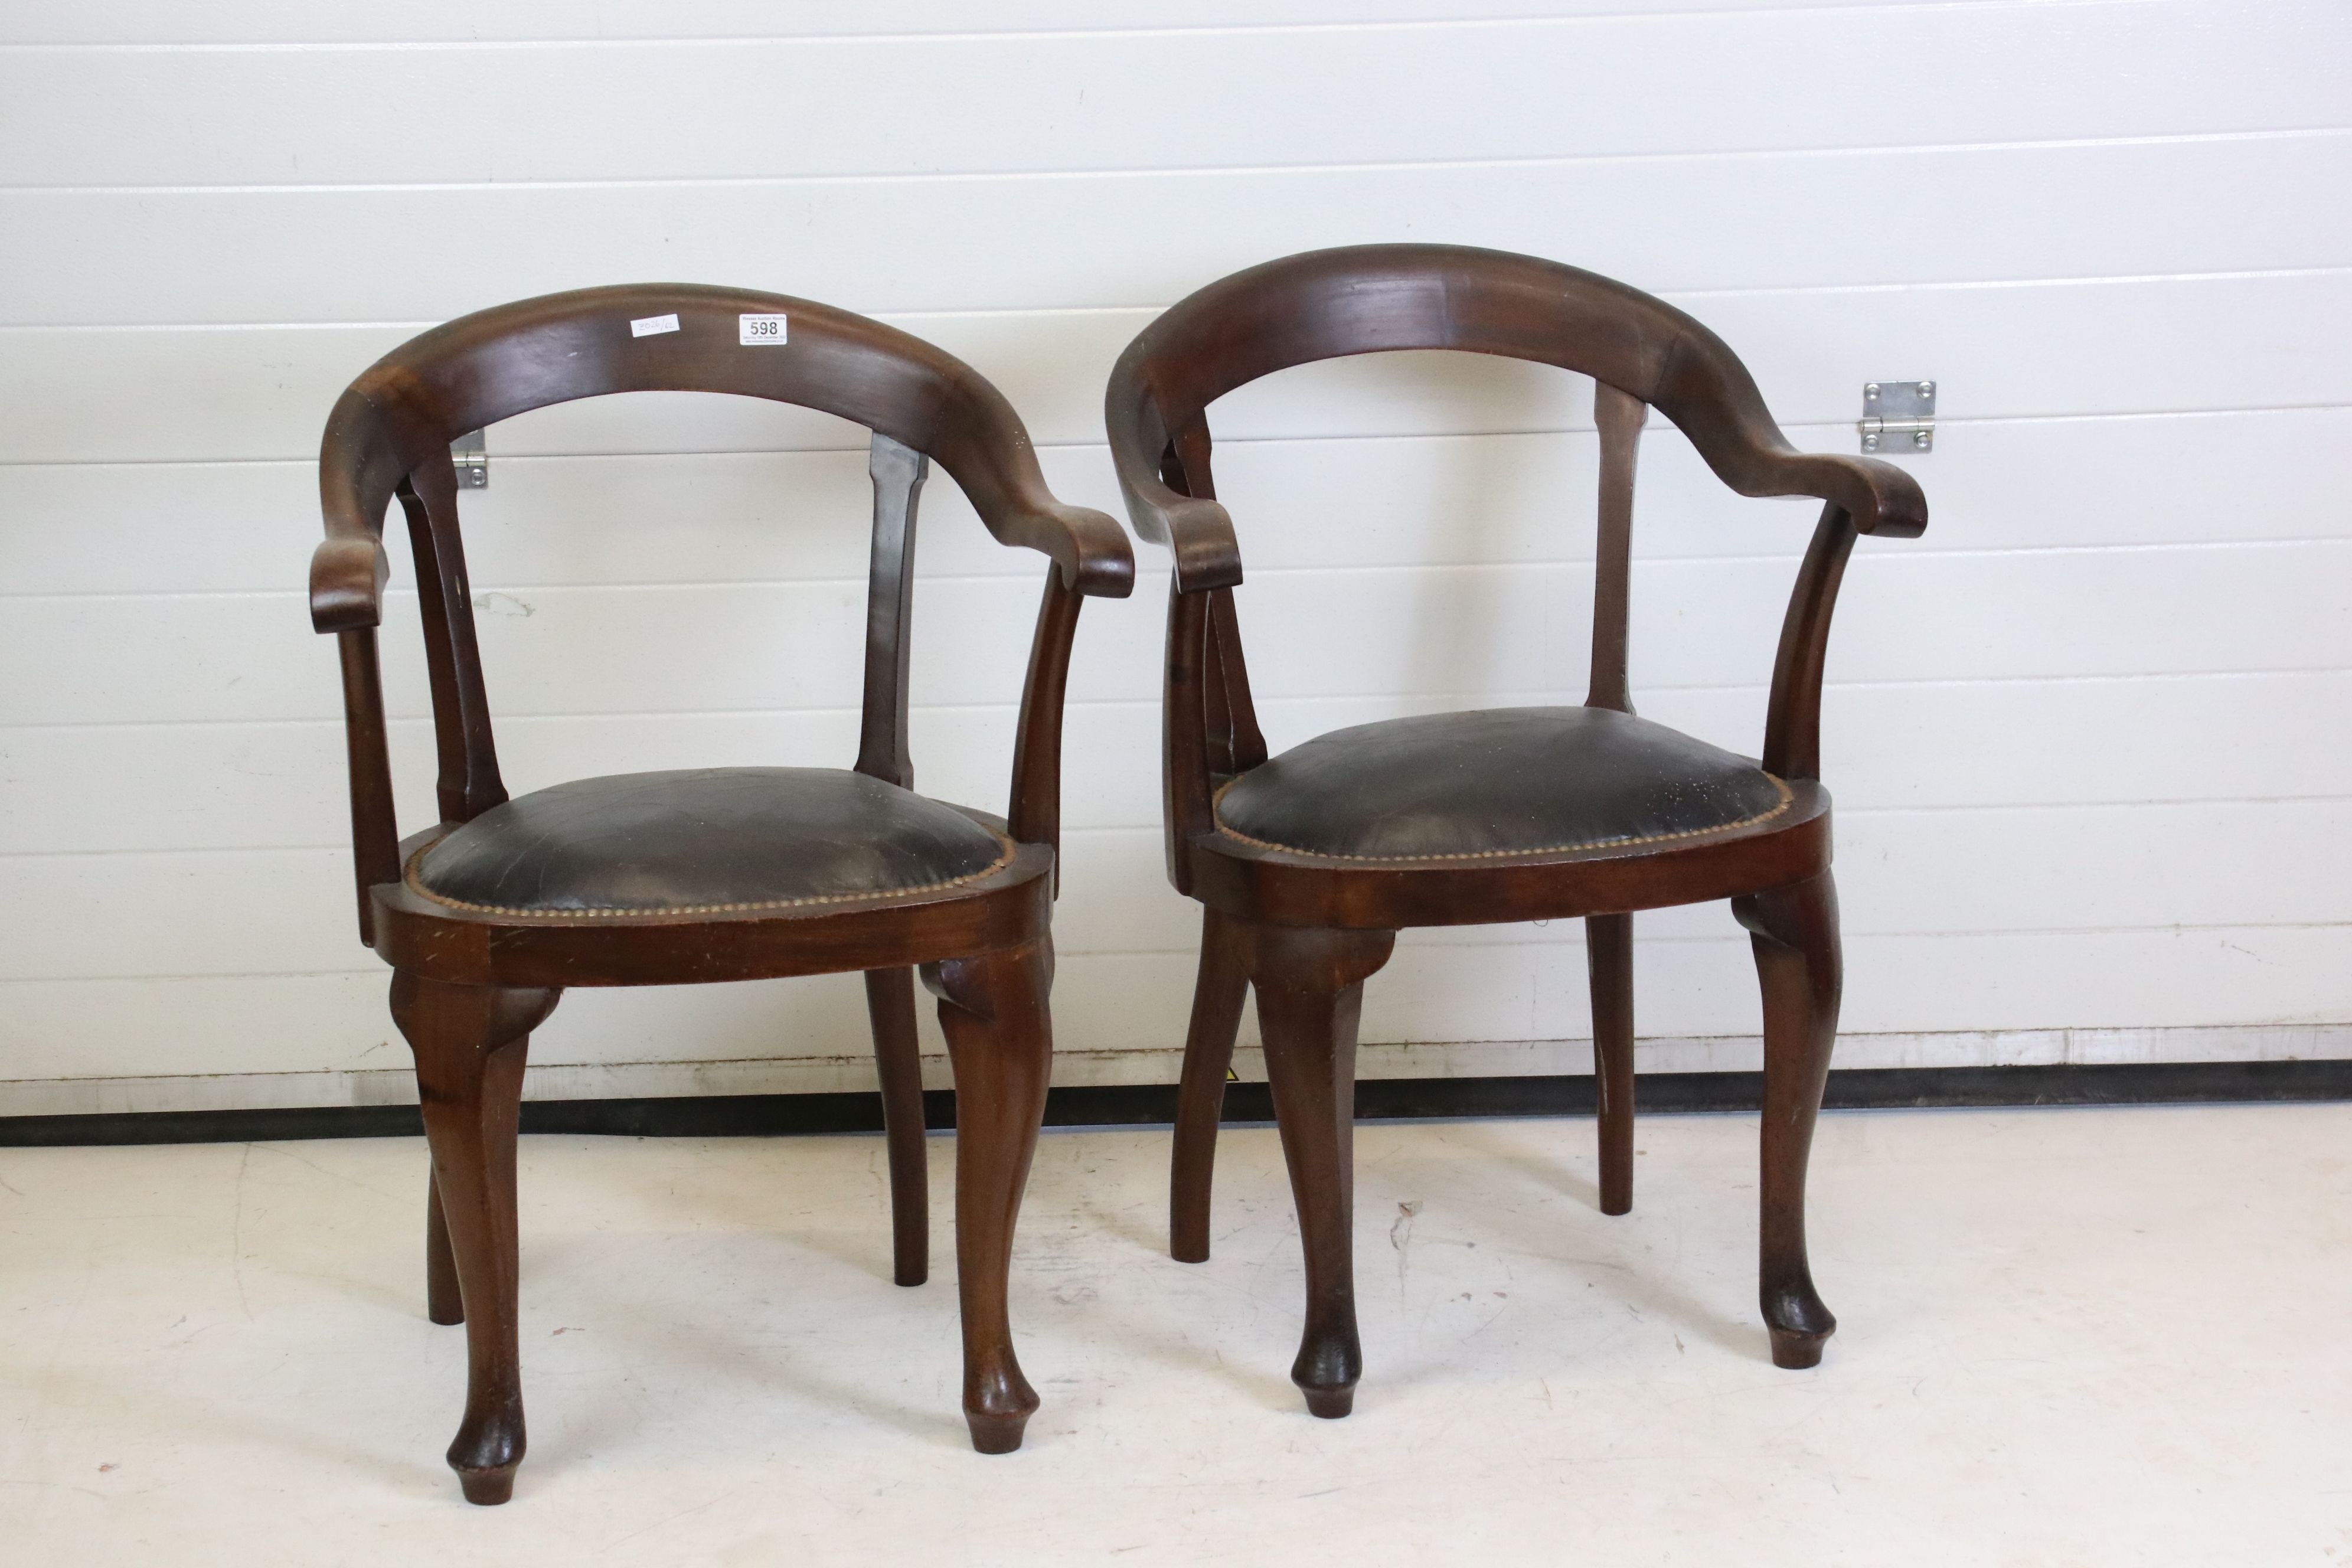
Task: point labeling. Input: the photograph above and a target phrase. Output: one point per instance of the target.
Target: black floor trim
(769, 1115)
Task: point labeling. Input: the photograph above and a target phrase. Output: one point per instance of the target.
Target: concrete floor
(2068, 1337)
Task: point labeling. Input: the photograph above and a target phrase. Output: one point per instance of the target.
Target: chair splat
(470, 782)
(1619, 417)
(898, 472)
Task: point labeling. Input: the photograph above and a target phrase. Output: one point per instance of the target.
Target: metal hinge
(472, 460)
(1898, 416)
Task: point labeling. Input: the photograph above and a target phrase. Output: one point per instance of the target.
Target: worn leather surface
(1497, 782)
(706, 840)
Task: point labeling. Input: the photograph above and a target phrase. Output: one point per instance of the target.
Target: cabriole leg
(1217, 997)
(469, 1042)
(1310, 992)
(1000, 1040)
(890, 1004)
(442, 1301)
(1797, 959)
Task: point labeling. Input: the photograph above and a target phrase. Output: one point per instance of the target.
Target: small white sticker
(649, 326)
(760, 330)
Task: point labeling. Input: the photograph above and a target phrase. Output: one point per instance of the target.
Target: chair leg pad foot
(1329, 1404)
(487, 1489)
(1183, 1253)
(996, 1434)
(912, 1277)
(1797, 1351)
(447, 1317)
(1616, 1205)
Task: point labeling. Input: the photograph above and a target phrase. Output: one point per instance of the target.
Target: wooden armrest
(347, 581)
(1711, 398)
(1199, 533)
(1881, 498)
(981, 442)
(1091, 548)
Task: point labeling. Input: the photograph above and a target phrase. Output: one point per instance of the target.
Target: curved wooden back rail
(1305, 925)
(722, 873)
(390, 433)
(1327, 304)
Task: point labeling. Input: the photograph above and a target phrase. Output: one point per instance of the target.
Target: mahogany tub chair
(717, 874)
(1308, 864)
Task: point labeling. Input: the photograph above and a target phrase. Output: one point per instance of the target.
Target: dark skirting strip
(1129, 1105)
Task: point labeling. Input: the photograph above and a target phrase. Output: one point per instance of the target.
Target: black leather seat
(708, 841)
(1494, 782)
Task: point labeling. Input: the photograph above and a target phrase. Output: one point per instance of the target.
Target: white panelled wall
(2086, 736)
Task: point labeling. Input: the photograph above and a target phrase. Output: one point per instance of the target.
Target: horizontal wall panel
(242, 1024)
(477, 22)
(1707, 622)
(1189, 99)
(1893, 982)
(161, 394)
(1901, 873)
(2064, 869)
(2069, 742)
(129, 528)
(288, 912)
(88, 1029)
(108, 788)
(2272, 974)
(1456, 631)
(2076, 210)
(1453, 631)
